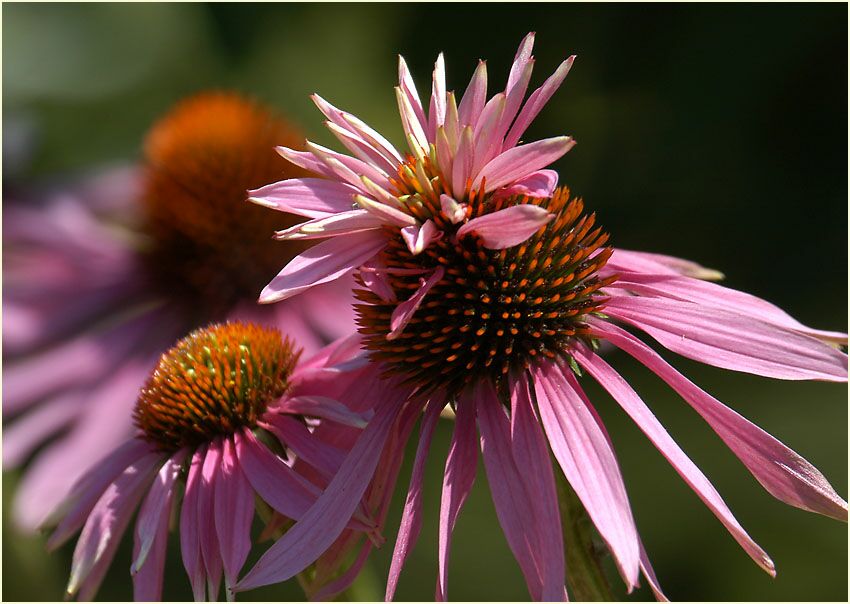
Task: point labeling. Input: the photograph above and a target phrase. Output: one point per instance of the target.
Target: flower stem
(586, 581)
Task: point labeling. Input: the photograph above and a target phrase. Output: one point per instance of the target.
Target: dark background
(710, 132)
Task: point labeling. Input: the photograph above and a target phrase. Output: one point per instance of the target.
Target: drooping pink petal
(322, 456)
(717, 296)
(411, 517)
(646, 262)
(472, 102)
(190, 539)
(404, 312)
(327, 518)
(649, 424)
(210, 548)
(458, 478)
(344, 223)
(649, 573)
(730, 340)
(107, 521)
(781, 471)
(74, 510)
(151, 536)
(374, 277)
(518, 162)
(274, 481)
(507, 487)
(419, 237)
(582, 448)
(532, 456)
(536, 102)
(234, 512)
(321, 263)
(324, 407)
(537, 184)
(310, 197)
(156, 504)
(507, 227)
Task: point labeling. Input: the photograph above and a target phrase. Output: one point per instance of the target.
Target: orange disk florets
(212, 382)
(210, 243)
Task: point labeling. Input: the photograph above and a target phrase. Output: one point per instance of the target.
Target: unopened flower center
(211, 247)
(494, 311)
(212, 382)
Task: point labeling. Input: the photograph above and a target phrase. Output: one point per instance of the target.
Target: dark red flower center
(494, 311)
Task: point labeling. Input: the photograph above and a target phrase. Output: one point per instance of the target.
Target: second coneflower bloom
(497, 310)
(228, 415)
(100, 279)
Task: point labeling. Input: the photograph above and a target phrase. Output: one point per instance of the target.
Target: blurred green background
(711, 132)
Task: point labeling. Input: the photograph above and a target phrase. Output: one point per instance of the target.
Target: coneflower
(220, 421)
(492, 298)
(100, 279)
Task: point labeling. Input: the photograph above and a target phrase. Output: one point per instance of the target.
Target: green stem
(586, 581)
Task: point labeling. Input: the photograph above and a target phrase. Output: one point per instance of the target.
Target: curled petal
(418, 238)
(537, 184)
(404, 312)
(509, 227)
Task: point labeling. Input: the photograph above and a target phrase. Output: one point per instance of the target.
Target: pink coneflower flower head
(100, 278)
(461, 153)
(504, 334)
(220, 421)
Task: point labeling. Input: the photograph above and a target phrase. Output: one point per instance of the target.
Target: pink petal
(375, 279)
(324, 457)
(210, 548)
(322, 524)
(386, 212)
(532, 455)
(536, 102)
(646, 569)
(404, 312)
(730, 340)
(472, 102)
(310, 197)
(437, 110)
(647, 422)
(344, 223)
(321, 263)
(411, 517)
(361, 149)
(418, 238)
(414, 129)
(781, 471)
(513, 502)
(107, 521)
(508, 227)
(324, 407)
(717, 296)
(645, 262)
(514, 95)
(462, 163)
(190, 540)
(486, 133)
(581, 446)
(453, 211)
(408, 88)
(347, 168)
(306, 160)
(275, 482)
(74, 510)
(458, 478)
(234, 512)
(156, 505)
(152, 532)
(519, 162)
(537, 184)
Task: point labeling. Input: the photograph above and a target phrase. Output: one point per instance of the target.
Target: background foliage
(711, 132)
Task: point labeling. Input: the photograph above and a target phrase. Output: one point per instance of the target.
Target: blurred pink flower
(501, 333)
(102, 275)
(459, 152)
(207, 438)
